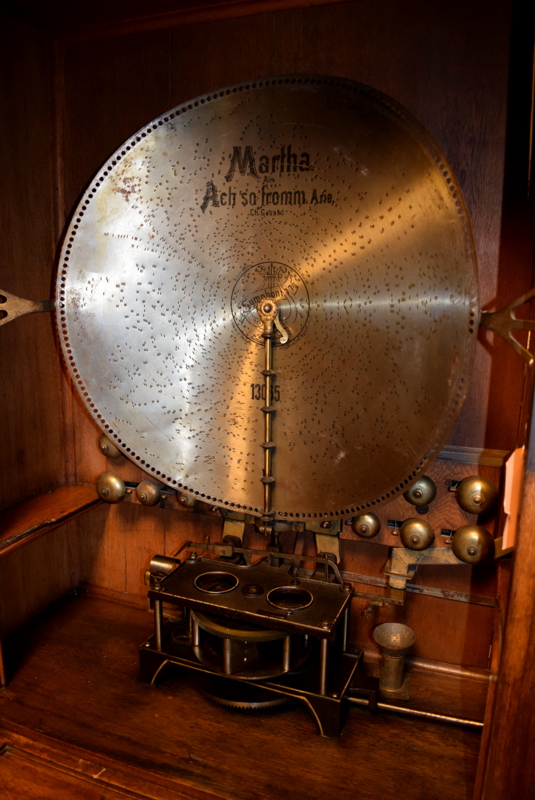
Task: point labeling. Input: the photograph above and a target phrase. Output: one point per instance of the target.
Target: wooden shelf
(28, 521)
(88, 722)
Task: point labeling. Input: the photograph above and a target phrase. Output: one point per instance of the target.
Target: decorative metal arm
(504, 323)
(12, 306)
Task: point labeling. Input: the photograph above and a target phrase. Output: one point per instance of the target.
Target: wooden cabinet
(75, 83)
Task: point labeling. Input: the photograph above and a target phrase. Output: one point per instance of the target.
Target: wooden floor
(76, 722)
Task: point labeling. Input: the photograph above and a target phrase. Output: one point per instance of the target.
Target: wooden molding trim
(189, 13)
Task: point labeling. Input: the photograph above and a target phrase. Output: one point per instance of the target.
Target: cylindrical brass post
(227, 656)
(394, 639)
(392, 672)
(158, 623)
(286, 653)
(195, 632)
(324, 657)
(345, 628)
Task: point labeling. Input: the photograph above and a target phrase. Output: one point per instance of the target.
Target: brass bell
(366, 525)
(472, 544)
(476, 494)
(185, 500)
(107, 447)
(148, 493)
(416, 534)
(110, 487)
(422, 492)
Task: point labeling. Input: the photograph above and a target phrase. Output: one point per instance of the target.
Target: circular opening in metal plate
(289, 597)
(216, 582)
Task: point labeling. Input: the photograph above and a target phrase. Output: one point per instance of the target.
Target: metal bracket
(228, 550)
(12, 306)
(327, 545)
(504, 322)
(234, 528)
(403, 563)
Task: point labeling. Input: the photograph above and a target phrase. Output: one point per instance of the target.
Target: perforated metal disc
(324, 195)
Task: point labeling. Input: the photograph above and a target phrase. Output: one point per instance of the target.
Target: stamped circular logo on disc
(281, 283)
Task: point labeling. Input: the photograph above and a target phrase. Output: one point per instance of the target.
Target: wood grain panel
(28, 521)
(65, 771)
(89, 136)
(36, 575)
(510, 771)
(177, 736)
(32, 425)
(215, 54)
(142, 80)
(22, 775)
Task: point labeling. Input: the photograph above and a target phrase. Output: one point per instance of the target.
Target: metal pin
(227, 653)
(324, 655)
(286, 654)
(158, 623)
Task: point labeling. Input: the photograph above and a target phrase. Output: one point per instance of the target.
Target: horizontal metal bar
(458, 671)
(415, 712)
(415, 588)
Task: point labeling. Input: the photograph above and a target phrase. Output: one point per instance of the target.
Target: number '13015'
(258, 392)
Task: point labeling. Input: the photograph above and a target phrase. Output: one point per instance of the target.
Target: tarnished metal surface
(326, 197)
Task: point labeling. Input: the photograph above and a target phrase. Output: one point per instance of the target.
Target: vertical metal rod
(286, 653)
(345, 627)
(267, 311)
(227, 652)
(158, 623)
(195, 633)
(3, 679)
(324, 656)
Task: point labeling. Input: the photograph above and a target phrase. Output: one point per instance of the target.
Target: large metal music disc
(327, 197)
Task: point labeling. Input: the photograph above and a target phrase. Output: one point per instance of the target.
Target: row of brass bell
(470, 543)
(474, 494)
(112, 489)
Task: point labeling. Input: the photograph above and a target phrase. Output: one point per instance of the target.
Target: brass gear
(227, 628)
(239, 695)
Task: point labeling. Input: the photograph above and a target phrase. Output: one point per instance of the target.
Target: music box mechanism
(267, 300)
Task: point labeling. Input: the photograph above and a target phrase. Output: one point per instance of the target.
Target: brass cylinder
(158, 624)
(394, 639)
(324, 665)
(392, 673)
